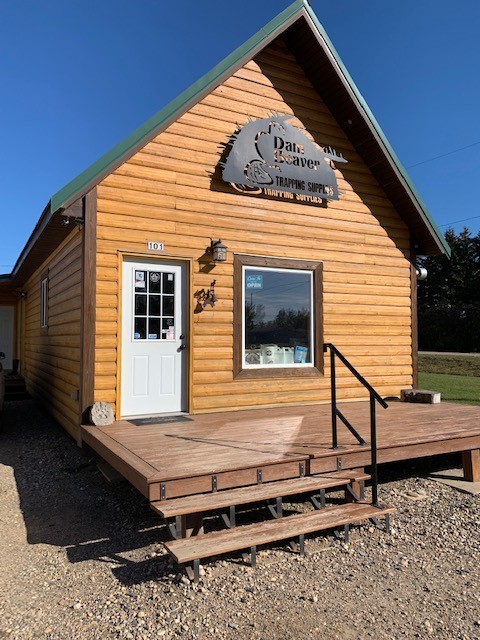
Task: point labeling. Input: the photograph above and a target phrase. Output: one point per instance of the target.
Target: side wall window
(44, 301)
(277, 317)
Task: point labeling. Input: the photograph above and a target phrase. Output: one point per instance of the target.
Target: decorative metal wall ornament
(206, 296)
(271, 156)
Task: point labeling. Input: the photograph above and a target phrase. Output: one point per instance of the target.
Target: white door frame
(186, 263)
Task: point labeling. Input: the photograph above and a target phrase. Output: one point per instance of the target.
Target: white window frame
(44, 303)
(291, 365)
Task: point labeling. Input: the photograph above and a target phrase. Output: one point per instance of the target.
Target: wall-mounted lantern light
(218, 250)
(421, 273)
(66, 221)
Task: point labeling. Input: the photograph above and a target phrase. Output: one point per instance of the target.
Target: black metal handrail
(336, 413)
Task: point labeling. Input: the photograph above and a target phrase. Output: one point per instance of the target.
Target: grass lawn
(454, 388)
(459, 365)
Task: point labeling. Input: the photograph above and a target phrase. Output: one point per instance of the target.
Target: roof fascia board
(199, 89)
(375, 128)
(176, 108)
(89, 178)
(36, 233)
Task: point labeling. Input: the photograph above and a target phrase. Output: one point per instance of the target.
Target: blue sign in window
(254, 281)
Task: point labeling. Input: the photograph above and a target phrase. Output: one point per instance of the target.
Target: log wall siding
(51, 357)
(166, 191)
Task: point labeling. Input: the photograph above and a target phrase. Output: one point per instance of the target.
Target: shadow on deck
(66, 502)
(168, 460)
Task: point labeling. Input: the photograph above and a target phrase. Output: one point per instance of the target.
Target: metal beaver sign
(272, 156)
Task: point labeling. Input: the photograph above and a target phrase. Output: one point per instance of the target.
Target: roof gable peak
(289, 23)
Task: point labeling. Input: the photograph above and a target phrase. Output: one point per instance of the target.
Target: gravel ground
(82, 559)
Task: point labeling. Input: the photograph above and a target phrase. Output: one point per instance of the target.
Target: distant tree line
(287, 328)
(285, 318)
(449, 299)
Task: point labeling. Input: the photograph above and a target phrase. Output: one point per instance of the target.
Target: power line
(457, 221)
(443, 155)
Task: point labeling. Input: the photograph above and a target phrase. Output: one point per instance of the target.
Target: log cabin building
(347, 261)
(201, 265)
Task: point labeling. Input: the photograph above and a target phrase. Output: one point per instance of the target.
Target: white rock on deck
(421, 396)
(101, 414)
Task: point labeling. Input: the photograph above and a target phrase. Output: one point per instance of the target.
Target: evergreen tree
(449, 299)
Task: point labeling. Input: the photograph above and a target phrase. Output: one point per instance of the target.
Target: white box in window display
(271, 354)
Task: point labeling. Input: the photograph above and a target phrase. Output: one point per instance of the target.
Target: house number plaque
(155, 246)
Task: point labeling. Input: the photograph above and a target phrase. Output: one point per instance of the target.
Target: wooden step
(221, 542)
(15, 388)
(255, 493)
(11, 396)
(14, 382)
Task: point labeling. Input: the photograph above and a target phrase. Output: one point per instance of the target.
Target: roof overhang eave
(375, 130)
(177, 107)
(81, 185)
(89, 178)
(35, 235)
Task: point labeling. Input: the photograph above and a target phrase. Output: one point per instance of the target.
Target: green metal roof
(172, 110)
(300, 8)
(377, 128)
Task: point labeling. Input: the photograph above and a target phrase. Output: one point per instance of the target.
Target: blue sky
(77, 76)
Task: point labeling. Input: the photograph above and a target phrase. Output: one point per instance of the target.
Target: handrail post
(373, 445)
(333, 385)
(374, 397)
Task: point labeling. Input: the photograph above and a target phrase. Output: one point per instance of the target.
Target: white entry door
(6, 335)
(154, 337)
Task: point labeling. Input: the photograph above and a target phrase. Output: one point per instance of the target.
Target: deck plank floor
(229, 441)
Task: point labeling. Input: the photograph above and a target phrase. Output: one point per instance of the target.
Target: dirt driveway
(82, 559)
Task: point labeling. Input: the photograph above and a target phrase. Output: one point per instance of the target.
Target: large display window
(278, 317)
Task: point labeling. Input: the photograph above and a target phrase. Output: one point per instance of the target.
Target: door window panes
(168, 283)
(140, 328)
(140, 305)
(154, 305)
(167, 305)
(155, 281)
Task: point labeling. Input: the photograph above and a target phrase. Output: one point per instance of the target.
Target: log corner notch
(88, 304)
(471, 465)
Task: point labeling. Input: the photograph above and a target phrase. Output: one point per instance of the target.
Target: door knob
(182, 347)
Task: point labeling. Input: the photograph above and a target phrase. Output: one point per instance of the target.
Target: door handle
(182, 347)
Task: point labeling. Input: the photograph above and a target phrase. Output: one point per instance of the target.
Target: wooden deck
(234, 449)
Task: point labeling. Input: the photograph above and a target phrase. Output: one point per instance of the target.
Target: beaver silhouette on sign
(270, 152)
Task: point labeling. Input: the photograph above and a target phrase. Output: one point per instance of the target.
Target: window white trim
(44, 303)
(283, 365)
